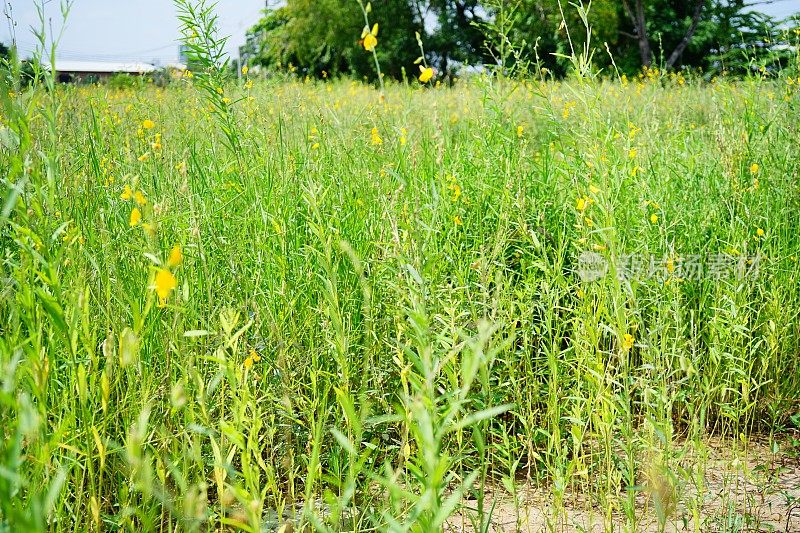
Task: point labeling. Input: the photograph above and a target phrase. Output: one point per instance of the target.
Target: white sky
(147, 30)
(123, 30)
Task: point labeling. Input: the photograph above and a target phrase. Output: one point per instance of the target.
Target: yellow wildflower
(654, 218)
(164, 284)
(754, 168)
(627, 341)
(376, 138)
(425, 74)
(456, 188)
(457, 221)
(127, 193)
(136, 217)
(370, 38)
(520, 131)
(175, 256)
(760, 232)
(148, 124)
(139, 198)
(245, 69)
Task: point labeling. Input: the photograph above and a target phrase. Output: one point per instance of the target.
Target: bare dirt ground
(752, 489)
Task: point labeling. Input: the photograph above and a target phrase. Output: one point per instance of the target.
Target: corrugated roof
(103, 66)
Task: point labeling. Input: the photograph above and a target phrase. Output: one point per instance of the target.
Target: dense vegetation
(319, 37)
(246, 304)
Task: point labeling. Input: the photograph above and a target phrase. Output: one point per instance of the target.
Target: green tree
(693, 33)
(705, 34)
(457, 38)
(324, 35)
(547, 28)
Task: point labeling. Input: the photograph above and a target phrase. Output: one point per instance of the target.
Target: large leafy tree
(323, 36)
(544, 30)
(694, 33)
(457, 38)
(707, 34)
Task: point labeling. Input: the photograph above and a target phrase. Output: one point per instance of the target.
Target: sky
(123, 30)
(147, 30)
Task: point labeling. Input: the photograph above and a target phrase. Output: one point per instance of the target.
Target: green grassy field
(317, 308)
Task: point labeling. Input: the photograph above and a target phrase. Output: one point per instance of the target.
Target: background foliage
(317, 36)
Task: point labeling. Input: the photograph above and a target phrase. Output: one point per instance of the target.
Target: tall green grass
(378, 319)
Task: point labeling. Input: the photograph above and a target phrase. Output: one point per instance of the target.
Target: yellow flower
(144, 157)
(426, 73)
(254, 356)
(315, 146)
(139, 198)
(175, 256)
(456, 188)
(582, 203)
(248, 363)
(520, 131)
(148, 124)
(654, 218)
(754, 168)
(164, 284)
(632, 153)
(248, 85)
(245, 69)
(627, 341)
(457, 221)
(136, 217)
(370, 38)
(376, 138)
(760, 232)
(127, 193)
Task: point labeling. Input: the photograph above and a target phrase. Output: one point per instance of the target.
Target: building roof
(103, 66)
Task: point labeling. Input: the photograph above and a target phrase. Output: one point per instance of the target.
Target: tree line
(322, 37)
